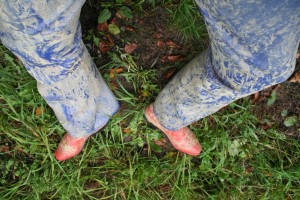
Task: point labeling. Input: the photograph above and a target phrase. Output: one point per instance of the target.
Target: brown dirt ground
(287, 98)
(149, 28)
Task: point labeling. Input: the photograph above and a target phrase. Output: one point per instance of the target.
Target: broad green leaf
(155, 147)
(114, 29)
(272, 98)
(96, 40)
(140, 142)
(233, 149)
(155, 135)
(126, 12)
(290, 121)
(284, 113)
(104, 16)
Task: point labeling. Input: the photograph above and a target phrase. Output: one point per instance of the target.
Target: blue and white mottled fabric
(46, 36)
(253, 45)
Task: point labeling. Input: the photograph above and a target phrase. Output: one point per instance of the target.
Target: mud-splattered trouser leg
(46, 37)
(253, 45)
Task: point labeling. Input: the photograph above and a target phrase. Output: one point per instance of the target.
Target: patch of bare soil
(157, 44)
(285, 107)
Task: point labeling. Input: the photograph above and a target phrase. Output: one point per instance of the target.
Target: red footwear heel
(69, 147)
(183, 139)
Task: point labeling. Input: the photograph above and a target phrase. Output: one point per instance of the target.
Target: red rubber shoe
(183, 139)
(69, 147)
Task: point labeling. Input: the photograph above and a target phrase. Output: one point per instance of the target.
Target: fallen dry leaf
(39, 111)
(119, 70)
(119, 15)
(126, 130)
(112, 72)
(165, 188)
(140, 21)
(164, 59)
(254, 97)
(295, 78)
(160, 142)
(111, 75)
(265, 172)
(174, 58)
(157, 35)
(267, 93)
(130, 28)
(19, 149)
(129, 48)
(4, 149)
(160, 44)
(211, 118)
(104, 47)
(102, 27)
(172, 44)
(113, 21)
(249, 169)
(265, 126)
(110, 40)
(113, 86)
(169, 73)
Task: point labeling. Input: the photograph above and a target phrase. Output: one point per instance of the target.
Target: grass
(185, 16)
(240, 160)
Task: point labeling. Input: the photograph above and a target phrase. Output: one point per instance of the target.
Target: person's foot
(183, 139)
(69, 147)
